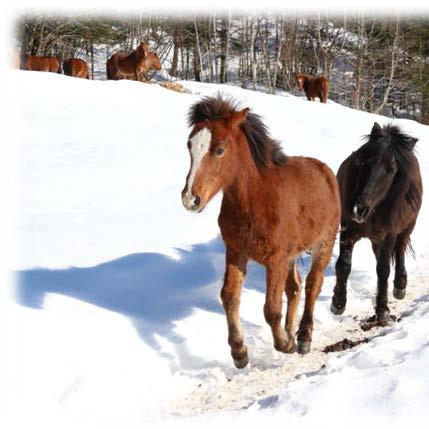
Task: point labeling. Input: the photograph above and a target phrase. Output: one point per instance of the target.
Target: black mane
(263, 147)
(402, 147)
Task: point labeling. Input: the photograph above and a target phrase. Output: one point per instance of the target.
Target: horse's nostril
(197, 200)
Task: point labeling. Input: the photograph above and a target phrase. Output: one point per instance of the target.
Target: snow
(116, 318)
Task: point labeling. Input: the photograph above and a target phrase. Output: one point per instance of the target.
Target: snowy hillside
(116, 318)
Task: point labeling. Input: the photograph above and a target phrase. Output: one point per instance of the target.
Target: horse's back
(113, 65)
(76, 67)
(40, 63)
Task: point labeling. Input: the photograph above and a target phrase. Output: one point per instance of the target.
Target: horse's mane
(263, 147)
(402, 147)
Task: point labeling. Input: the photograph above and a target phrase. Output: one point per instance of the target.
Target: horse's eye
(219, 151)
(362, 164)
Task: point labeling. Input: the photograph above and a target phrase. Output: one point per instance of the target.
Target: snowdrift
(117, 320)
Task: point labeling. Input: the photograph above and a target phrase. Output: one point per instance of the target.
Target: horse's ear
(144, 46)
(376, 131)
(235, 119)
(412, 141)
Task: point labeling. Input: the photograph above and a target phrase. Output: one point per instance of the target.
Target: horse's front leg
(342, 271)
(235, 273)
(277, 272)
(384, 254)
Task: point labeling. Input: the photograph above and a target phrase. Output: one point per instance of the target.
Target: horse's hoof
(383, 317)
(399, 293)
(241, 363)
(336, 310)
(284, 346)
(304, 347)
(292, 347)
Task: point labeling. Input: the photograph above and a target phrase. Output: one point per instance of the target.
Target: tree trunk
(393, 62)
(173, 70)
(92, 60)
(209, 50)
(358, 66)
(266, 60)
(197, 53)
(225, 50)
(279, 40)
(252, 51)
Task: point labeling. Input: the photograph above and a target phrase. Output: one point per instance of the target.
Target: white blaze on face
(199, 146)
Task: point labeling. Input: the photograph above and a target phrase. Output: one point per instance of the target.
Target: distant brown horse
(76, 67)
(274, 207)
(134, 65)
(313, 86)
(381, 194)
(38, 63)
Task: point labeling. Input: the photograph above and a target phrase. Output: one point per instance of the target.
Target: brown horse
(381, 194)
(134, 65)
(76, 67)
(313, 86)
(274, 207)
(37, 63)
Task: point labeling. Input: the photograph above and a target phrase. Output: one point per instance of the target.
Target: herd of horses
(136, 64)
(274, 207)
(121, 65)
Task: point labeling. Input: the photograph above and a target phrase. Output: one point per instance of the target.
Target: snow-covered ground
(116, 319)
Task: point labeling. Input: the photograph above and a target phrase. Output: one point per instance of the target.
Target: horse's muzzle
(360, 213)
(192, 202)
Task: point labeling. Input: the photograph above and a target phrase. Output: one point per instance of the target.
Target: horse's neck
(245, 190)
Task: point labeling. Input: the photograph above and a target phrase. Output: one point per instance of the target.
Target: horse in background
(313, 87)
(381, 195)
(76, 67)
(274, 207)
(47, 63)
(134, 65)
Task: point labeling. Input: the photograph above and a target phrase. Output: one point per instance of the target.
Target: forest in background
(377, 64)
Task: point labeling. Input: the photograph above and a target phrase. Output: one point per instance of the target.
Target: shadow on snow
(151, 289)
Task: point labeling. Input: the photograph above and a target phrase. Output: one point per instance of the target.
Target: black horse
(381, 194)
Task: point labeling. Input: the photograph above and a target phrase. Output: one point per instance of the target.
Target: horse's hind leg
(235, 273)
(293, 293)
(400, 281)
(342, 271)
(321, 255)
(277, 272)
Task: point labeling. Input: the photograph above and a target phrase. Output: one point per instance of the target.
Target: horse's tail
(409, 250)
(325, 90)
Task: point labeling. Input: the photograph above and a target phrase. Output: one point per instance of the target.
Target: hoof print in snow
(372, 322)
(344, 345)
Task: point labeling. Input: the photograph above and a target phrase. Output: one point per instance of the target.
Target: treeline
(377, 64)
